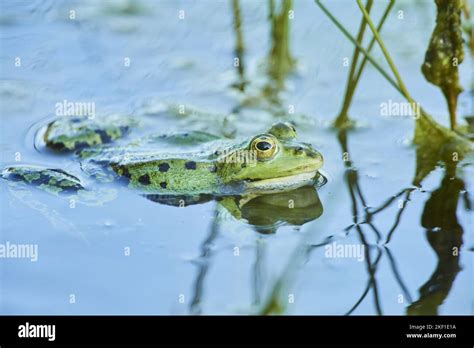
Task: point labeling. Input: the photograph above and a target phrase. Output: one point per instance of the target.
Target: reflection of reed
(434, 142)
(258, 270)
(444, 234)
(279, 62)
(239, 44)
(203, 265)
(355, 192)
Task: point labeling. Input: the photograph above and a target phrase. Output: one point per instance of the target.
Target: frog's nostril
(302, 151)
(312, 153)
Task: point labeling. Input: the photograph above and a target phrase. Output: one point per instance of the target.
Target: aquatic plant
(445, 52)
(278, 65)
(434, 142)
(280, 61)
(239, 45)
(467, 27)
(343, 119)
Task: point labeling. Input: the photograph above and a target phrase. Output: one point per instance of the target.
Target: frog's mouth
(282, 183)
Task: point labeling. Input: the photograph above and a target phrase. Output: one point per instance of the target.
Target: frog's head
(271, 161)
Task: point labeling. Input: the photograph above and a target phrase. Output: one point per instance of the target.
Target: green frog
(178, 169)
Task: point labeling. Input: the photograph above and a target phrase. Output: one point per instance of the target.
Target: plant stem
(362, 49)
(350, 86)
(372, 41)
(389, 60)
(239, 43)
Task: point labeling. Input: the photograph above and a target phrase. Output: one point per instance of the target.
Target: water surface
(200, 259)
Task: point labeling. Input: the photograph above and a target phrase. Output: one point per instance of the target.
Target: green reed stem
(343, 118)
(359, 46)
(389, 60)
(372, 41)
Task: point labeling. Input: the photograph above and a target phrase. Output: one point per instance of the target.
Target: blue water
(134, 256)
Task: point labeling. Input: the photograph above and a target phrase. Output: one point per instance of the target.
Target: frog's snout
(307, 151)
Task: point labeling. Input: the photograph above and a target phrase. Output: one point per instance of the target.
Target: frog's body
(209, 165)
(193, 163)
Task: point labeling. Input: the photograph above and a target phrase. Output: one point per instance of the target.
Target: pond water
(131, 255)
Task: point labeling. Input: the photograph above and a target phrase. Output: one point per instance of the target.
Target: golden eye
(264, 147)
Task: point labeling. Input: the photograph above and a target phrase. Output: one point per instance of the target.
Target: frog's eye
(264, 147)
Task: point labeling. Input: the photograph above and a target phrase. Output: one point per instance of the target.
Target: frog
(180, 168)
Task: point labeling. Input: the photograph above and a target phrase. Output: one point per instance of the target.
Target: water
(134, 256)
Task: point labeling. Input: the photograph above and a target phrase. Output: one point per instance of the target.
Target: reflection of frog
(264, 212)
(296, 208)
(191, 164)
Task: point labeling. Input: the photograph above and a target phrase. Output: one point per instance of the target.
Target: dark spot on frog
(190, 165)
(81, 145)
(144, 179)
(75, 120)
(163, 184)
(163, 167)
(43, 179)
(243, 165)
(213, 169)
(126, 173)
(185, 134)
(15, 177)
(124, 130)
(104, 137)
(56, 146)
